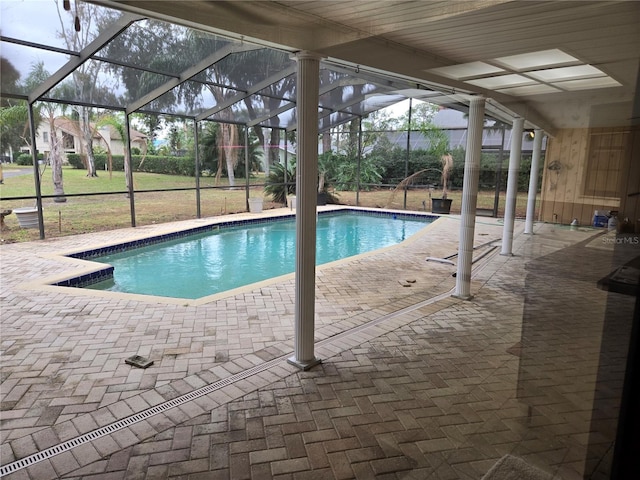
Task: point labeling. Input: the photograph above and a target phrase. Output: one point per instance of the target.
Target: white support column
(307, 95)
(512, 186)
(469, 197)
(533, 180)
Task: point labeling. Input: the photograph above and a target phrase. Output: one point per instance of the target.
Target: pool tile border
(105, 274)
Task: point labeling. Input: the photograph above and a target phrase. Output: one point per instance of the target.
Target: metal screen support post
(36, 171)
(246, 164)
(358, 180)
(129, 171)
(197, 172)
(406, 162)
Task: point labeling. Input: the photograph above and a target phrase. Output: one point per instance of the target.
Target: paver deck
(413, 384)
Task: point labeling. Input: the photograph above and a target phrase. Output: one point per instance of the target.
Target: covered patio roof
(127, 62)
(560, 64)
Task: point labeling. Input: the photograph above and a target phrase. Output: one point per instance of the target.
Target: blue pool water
(231, 257)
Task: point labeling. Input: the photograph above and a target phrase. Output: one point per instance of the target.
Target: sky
(35, 21)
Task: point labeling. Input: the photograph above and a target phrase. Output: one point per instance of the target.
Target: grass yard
(83, 214)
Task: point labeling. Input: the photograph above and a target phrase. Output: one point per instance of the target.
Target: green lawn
(84, 214)
(105, 212)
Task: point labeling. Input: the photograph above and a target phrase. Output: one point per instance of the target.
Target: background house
(105, 137)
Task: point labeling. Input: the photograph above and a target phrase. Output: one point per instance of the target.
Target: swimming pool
(230, 256)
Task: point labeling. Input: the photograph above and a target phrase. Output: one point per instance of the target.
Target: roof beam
(187, 74)
(85, 54)
(353, 101)
(254, 89)
(284, 108)
(271, 114)
(352, 116)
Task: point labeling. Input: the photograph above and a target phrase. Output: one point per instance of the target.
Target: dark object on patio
(441, 205)
(138, 361)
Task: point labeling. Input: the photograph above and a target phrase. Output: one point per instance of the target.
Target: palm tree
(117, 123)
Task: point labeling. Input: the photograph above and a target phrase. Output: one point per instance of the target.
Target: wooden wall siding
(630, 181)
(566, 191)
(605, 160)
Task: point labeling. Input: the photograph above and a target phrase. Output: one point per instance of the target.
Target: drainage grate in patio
(138, 417)
(200, 392)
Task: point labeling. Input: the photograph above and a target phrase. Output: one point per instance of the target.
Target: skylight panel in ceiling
(567, 73)
(538, 89)
(536, 60)
(467, 70)
(501, 81)
(533, 73)
(588, 83)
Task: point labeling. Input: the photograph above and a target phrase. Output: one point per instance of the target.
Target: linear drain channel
(200, 392)
(138, 417)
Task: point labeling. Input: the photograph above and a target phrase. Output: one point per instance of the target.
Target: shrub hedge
(390, 166)
(27, 159)
(393, 163)
(152, 163)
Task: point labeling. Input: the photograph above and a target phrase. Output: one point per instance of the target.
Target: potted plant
(443, 204)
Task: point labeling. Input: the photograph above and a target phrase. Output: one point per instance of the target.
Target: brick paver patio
(414, 384)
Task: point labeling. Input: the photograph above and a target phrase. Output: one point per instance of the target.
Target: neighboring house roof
(72, 127)
(491, 139)
(115, 134)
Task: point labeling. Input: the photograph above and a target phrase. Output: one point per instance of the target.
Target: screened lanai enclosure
(121, 97)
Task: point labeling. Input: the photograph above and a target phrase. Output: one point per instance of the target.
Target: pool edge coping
(88, 266)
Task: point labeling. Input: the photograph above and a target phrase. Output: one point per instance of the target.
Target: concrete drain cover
(138, 361)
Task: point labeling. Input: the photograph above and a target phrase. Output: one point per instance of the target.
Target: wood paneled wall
(630, 182)
(582, 168)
